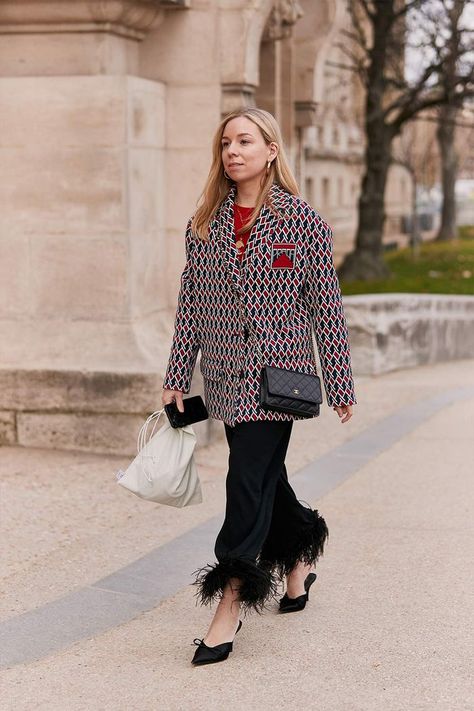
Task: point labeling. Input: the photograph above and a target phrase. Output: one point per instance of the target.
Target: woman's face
(244, 151)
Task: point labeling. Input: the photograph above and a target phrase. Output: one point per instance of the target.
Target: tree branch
(360, 30)
(339, 65)
(421, 105)
(357, 62)
(366, 8)
(414, 92)
(435, 119)
(408, 6)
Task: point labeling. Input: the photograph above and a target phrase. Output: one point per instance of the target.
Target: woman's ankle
(301, 569)
(222, 627)
(296, 577)
(231, 612)
(230, 596)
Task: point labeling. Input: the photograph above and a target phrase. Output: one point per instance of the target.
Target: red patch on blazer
(283, 255)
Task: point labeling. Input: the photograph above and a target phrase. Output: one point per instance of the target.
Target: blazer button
(241, 374)
(246, 333)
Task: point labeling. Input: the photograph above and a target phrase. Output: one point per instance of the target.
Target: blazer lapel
(263, 225)
(266, 223)
(226, 240)
(262, 231)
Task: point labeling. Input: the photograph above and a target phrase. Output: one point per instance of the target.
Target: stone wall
(88, 411)
(392, 331)
(103, 411)
(82, 218)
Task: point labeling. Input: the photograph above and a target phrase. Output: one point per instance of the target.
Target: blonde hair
(217, 185)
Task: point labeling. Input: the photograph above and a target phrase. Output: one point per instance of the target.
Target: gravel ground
(386, 626)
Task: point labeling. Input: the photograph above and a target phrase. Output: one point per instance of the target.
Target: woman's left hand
(344, 411)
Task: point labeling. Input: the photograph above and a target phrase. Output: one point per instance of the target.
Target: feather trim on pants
(283, 552)
(258, 585)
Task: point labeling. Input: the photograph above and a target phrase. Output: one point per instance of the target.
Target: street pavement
(97, 611)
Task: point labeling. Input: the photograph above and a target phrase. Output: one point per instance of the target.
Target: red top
(241, 215)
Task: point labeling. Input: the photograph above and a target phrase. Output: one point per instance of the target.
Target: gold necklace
(239, 243)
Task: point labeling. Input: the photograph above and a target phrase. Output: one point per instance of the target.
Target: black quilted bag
(289, 391)
(285, 390)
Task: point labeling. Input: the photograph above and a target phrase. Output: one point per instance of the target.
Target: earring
(268, 165)
(227, 176)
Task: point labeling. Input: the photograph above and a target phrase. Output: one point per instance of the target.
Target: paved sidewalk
(386, 626)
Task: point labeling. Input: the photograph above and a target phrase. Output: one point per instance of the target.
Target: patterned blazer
(286, 285)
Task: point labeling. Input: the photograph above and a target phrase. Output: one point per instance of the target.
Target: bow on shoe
(208, 655)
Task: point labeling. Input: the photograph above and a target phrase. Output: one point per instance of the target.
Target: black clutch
(290, 391)
(194, 411)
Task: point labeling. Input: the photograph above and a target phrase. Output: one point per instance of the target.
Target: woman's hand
(169, 396)
(344, 411)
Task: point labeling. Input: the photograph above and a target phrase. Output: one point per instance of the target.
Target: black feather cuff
(283, 554)
(258, 585)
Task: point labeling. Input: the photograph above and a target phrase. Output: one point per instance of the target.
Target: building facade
(107, 114)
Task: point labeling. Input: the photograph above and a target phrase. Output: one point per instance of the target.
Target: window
(403, 189)
(325, 193)
(340, 191)
(309, 191)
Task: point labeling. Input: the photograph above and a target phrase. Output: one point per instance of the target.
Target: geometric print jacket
(263, 311)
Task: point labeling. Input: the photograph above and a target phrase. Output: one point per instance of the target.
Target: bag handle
(142, 435)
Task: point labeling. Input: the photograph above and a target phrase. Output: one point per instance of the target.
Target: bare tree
(447, 114)
(383, 32)
(416, 151)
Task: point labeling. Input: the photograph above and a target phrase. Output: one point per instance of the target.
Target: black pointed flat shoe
(210, 655)
(295, 604)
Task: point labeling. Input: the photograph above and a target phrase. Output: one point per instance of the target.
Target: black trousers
(266, 530)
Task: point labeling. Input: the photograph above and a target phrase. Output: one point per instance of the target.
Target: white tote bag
(164, 470)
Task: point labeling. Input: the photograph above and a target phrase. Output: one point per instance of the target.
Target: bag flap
(298, 386)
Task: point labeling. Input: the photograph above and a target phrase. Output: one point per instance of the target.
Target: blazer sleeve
(185, 344)
(327, 316)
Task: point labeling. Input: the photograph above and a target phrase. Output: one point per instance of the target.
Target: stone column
(276, 91)
(241, 25)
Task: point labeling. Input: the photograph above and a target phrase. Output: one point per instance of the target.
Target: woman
(259, 276)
